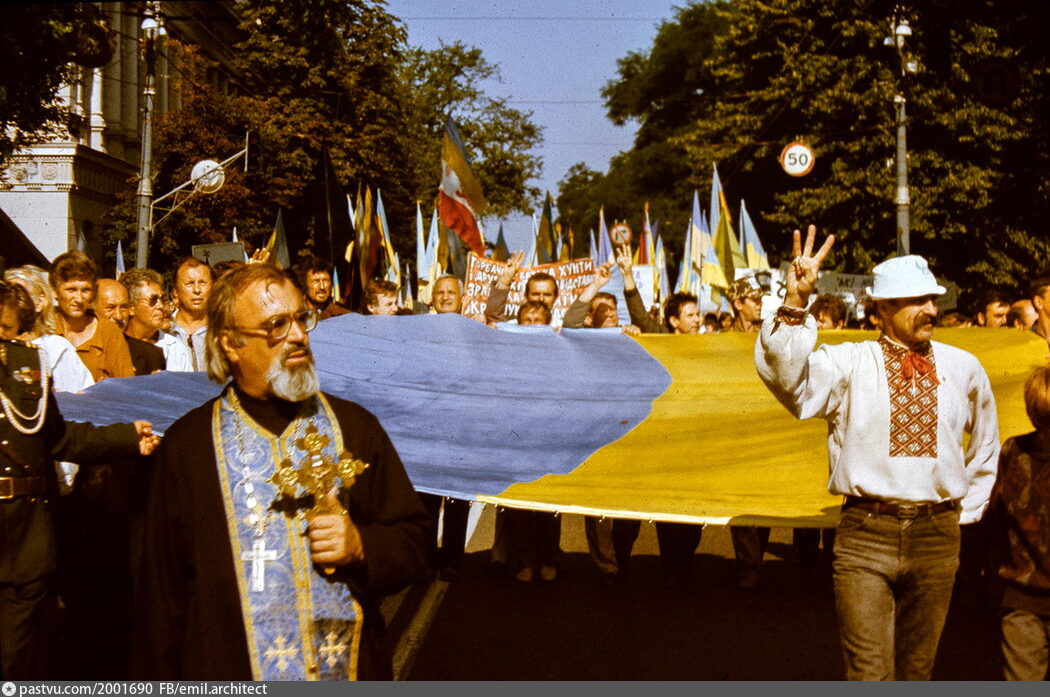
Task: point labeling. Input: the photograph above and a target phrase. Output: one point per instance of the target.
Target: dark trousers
(534, 537)
(678, 543)
(24, 612)
(807, 546)
(610, 541)
(95, 561)
(749, 545)
(449, 554)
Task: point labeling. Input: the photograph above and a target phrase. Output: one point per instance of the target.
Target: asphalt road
(480, 628)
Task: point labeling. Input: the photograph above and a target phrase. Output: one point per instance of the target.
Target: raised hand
(801, 278)
(513, 264)
(623, 260)
(602, 274)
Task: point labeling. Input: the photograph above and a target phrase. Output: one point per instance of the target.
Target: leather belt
(13, 487)
(899, 509)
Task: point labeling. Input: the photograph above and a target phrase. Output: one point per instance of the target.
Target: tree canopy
(733, 82)
(336, 77)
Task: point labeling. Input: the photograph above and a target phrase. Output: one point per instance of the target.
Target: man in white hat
(897, 409)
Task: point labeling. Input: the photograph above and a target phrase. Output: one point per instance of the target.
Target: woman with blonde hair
(34, 280)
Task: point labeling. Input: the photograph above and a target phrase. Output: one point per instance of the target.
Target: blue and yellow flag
(660, 427)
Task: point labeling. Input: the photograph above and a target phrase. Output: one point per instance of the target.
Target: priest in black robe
(234, 571)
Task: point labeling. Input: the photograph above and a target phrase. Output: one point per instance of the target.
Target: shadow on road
(575, 629)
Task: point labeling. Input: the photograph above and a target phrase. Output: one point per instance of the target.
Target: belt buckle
(907, 510)
(7, 488)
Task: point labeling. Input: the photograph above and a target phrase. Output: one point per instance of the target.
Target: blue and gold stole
(300, 625)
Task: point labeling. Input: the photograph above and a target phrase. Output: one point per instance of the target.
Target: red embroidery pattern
(913, 400)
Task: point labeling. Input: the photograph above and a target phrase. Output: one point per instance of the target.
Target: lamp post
(152, 28)
(900, 30)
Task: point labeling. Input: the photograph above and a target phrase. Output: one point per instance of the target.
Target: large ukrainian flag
(588, 421)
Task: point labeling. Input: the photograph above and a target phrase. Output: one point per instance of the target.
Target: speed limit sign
(797, 159)
(620, 234)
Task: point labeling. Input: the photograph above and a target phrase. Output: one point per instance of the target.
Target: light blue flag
(605, 250)
(120, 260)
(594, 249)
(714, 211)
(432, 245)
(685, 267)
(421, 247)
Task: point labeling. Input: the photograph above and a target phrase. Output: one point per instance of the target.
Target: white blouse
(68, 372)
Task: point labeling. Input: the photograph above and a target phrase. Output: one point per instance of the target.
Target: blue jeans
(893, 585)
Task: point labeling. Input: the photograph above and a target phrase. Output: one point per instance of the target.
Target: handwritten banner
(571, 277)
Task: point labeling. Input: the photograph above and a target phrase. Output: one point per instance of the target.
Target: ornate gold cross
(317, 473)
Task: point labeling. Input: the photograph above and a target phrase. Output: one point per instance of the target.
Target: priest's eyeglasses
(277, 328)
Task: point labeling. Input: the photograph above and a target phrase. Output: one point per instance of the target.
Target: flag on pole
(460, 200)
(421, 246)
(661, 283)
(501, 252)
(120, 257)
(710, 268)
(726, 246)
(749, 242)
(431, 270)
(384, 239)
(714, 209)
(457, 256)
(645, 251)
(277, 245)
(564, 243)
(605, 250)
(594, 249)
(685, 267)
(547, 238)
(368, 241)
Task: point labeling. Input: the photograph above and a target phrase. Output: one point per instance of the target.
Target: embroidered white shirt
(847, 385)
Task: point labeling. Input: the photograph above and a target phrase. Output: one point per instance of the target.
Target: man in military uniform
(32, 436)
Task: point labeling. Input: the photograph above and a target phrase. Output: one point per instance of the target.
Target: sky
(554, 57)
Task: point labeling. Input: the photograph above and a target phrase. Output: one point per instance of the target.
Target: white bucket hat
(903, 277)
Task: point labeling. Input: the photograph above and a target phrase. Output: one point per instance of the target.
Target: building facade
(58, 192)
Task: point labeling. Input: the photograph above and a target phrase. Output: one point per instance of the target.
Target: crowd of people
(128, 531)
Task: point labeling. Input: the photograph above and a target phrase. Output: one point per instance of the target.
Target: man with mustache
(898, 410)
(245, 573)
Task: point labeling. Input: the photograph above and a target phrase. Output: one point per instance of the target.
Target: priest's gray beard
(293, 384)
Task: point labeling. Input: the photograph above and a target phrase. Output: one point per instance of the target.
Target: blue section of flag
(471, 410)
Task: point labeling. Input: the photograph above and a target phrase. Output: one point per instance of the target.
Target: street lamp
(899, 31)
(152, 27)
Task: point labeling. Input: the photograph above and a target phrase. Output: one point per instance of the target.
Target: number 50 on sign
(797, 159)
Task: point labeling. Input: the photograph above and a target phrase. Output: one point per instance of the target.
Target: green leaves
(733, 82)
